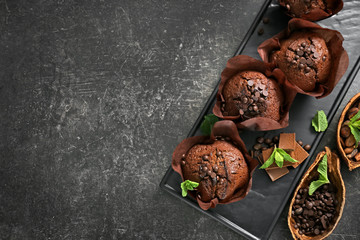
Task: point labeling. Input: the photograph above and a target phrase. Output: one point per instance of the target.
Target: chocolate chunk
(250, 83)
(244, 99)
(265, 93)
(300, 53)
(293, 62)
(183, 156)
(324, 58)
(289, 59)
(303, 60)
(307, 69)
(205, 158)
(215, 168)
(316, 54)
(218, 153)
(301, 66)
(183, 163)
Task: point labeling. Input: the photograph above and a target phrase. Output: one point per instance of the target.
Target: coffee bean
(309, 205)
(300, 53)
(298, 211)
(205, 169)
(244, 99)
(260, 140)
(345, 131)
(261, 31)
(275, 139)
(301, 65)
(307, 69)
(300, 232)
(293, 62)
(307, 147)
(303, 60)
(316, 231)
(357, 157)
(353, 153)
(183, 163)
(218, 153)
(268, 141)
(324, 58)
(289, 59)
(348, 150)
(352, 112)
(266, 20)
(264, 148)
(257, 146)
(303, 44)
(215, 168)
(350, 141)
(300, 142)
(250, 108)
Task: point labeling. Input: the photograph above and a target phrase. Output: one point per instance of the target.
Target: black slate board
(255, 216)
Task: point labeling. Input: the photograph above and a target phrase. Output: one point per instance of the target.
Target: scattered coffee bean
(261, 31)
(266, 20)
(307, 147)
(268, 141)
(352, 112)
(275, 139)
(300, 142)
(260, 140)
(257, 146)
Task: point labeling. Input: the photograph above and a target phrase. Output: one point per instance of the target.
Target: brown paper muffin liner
(333, 39)
(241, 63)
(228, 130)
(333, 7)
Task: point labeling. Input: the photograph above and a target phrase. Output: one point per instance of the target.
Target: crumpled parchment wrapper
(241, 63)
(333, 7)
(226, 129)
(333, 39)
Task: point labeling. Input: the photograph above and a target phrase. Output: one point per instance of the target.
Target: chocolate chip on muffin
(220, 168)
(251, 94)
(304, 58)
(298, 8)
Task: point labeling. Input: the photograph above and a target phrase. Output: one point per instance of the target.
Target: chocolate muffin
(304, 58)
(220, 168)
(252, 94)
(298, 8)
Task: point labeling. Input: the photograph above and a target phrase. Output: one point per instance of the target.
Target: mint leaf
(278, 155)
(355, 131)
(208, 123)
(270, 160)
(286, 156)
(279, 159)
(188, 185)
(355, 117)
(319, 122)
(323, 179)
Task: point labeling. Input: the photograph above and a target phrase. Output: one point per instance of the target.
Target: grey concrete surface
(94, 97)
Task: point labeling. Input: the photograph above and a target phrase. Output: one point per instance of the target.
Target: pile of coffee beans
(265, 143)
(347, 140)
(314, 214)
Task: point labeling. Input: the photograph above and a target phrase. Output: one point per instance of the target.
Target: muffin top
(220, 168)
(251, 94)
(304, 58)
(298, 8)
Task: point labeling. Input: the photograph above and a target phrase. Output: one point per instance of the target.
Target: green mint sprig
(208, 123)
(188, 185)
(278, 156)
(354, 126)
(319, 122)
(323, 178)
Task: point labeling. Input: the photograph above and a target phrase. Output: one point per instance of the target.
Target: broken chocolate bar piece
(299, 154)
(287, 141)
(274, 173)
